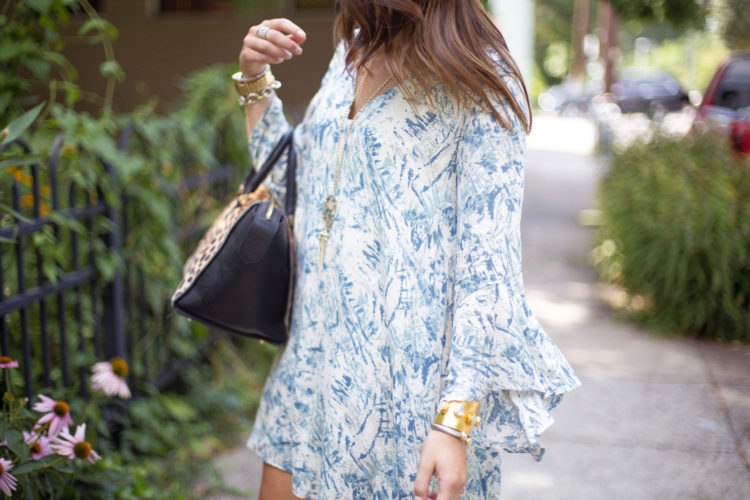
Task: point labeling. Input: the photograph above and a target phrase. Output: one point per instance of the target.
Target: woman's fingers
(267, 49)
(450, 485)
(276, 38)
(424, 474)
(281, 41)
(445, 457)
(283, 25)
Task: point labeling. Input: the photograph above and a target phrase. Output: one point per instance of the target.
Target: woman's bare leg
(276, 484)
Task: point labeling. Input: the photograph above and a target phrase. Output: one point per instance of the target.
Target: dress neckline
(368, 104)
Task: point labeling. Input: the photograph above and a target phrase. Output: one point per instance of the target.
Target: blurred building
(516, 20)
(161, 41)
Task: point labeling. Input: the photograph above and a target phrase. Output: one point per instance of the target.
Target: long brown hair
(427, 40)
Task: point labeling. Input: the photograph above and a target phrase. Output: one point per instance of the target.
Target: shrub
(159, 445)
(676, 234)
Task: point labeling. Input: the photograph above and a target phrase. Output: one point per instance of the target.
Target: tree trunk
(580, 29)
(607, 21)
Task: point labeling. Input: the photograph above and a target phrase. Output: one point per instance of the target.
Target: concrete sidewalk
(656, 418)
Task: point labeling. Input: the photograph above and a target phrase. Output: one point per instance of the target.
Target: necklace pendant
(322, 240)
(328, 214)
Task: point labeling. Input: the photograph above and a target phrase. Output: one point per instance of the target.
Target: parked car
(726, 103)
(568, 98)
(649, 91)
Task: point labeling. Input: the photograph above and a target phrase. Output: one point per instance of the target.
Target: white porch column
(516, 21)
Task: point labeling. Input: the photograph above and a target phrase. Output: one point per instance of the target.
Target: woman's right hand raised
(281, 42)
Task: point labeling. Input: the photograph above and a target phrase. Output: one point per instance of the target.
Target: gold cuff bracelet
(462, 416)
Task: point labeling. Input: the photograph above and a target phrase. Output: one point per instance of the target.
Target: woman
(409, 313)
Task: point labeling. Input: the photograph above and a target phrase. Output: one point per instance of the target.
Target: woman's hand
(443, 456)
(281, 42)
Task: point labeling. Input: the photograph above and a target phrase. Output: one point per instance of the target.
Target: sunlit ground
(580, 134)
(563, 134)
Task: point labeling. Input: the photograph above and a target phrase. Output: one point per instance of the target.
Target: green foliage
(31, 54)
(704, 48)
(679, 13)
(552, 39)
(32, 458)
(656, 19)
(734, 16)
(169, 439)
(676, 234)
(159, 446)
(166, 442)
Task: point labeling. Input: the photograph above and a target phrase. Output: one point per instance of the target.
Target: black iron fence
(59, 315)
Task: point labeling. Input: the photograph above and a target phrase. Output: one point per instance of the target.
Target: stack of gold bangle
(457, 418)
(256, 88)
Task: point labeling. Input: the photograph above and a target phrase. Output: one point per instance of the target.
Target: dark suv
(726, 103)
(650, 91)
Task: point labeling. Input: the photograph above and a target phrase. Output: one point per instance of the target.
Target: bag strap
(253, 180)
(291, 178)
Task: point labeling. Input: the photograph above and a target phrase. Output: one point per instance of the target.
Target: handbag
(240, 277)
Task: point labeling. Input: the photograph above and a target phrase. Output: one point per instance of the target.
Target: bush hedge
(676, 234)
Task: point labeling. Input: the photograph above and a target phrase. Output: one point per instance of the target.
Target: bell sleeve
(499, 354)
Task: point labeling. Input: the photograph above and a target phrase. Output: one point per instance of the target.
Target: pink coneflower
(38, 444)
(7, 482)
(6, 362)
(58, 415)
(109, 376)
(74, 446)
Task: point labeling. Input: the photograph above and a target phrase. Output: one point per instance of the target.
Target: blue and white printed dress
(421, 297)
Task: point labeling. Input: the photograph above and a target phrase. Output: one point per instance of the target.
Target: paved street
(656, 418)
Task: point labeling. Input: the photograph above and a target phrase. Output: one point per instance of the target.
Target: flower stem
(109, 54)
(54, 462)
(7, 409)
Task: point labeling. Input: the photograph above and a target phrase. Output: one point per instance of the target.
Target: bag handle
(253, 180)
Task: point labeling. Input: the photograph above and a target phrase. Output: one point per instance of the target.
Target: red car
(726, 103)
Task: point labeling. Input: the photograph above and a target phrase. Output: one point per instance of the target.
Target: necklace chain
(330, 206)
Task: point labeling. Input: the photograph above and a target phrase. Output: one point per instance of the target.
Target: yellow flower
(68, 150)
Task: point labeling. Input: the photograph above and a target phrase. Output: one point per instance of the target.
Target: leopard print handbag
(240, 277)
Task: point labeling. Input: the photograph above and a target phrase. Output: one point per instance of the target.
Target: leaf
(102, 26)
(41, 6)
(5, 100)
(50, 269)
(107, 266)
(63, 221)
(111, 68)
(16, 444)
(17, 215)
(27, 467)
(21, 160)
(16, 48)
(20, 124)
(27, 487)
(66, 467)
(91, 24)
(179, 409)
(39, 67)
